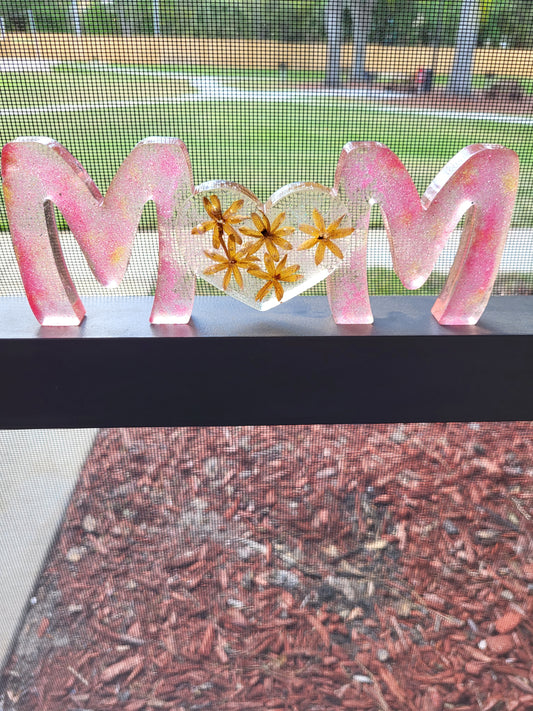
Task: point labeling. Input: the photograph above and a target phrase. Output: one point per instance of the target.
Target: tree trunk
(333, 22)
(460, 82)
(123, 11)
(361, 13)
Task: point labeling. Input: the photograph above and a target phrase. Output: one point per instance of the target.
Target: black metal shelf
(292, 365)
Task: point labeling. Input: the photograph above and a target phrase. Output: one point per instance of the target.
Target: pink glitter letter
(481, 179)
(39, 171)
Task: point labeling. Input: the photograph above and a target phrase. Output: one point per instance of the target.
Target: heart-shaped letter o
(260, 254)
(263, 254)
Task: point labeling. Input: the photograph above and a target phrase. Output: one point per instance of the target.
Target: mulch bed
(313, 567)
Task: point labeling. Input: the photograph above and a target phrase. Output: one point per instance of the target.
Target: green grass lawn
(73, 85)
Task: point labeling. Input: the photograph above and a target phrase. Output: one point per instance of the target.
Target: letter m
(39, 173)
(481, 180)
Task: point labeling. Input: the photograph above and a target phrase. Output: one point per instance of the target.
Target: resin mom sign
(261, 254)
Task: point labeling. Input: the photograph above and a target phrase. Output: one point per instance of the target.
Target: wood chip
(500, 644)
(122, 667)
(508, 622)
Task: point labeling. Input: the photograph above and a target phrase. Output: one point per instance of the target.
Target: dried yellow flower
(221, 222)
(232, 262)
(274, 275)
(323, 236)
(269, 235)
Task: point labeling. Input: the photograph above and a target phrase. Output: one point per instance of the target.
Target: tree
(509, 21)
(361, 16)
(49, 16)
(460, 82)
(123, 10)
(361, 13)
(333, 22)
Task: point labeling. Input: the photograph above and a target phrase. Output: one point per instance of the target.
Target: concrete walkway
(38, 471)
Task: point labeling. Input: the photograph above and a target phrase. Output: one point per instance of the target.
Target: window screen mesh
(383, 567)
(248, 86)
(307, 567)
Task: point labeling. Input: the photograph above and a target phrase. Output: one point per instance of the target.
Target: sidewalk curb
(38, 472)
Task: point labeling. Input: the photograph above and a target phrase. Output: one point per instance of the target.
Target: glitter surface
(39, 173)
(481, 180)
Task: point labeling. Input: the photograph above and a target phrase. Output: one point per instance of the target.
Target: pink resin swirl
(39, 173)
(481, 179)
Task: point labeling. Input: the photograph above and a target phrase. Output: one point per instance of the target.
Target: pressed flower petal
(319, 220)
(308, 230)
(207, 205)
(339, 234)
(227, 277)
(259, 273)
(249, 232)
(277, 221)
(290, 270)
(234, 207)
(265, 220)
(308, 243)
(320, 251)
(257, 222)
(253, 248)
(243, 262)
(335, 225)
(282, 243)
(284, 231)
(334, 248)
(292, 277)
(216, 204)
(234, 236)
(204, 227)
(245, 256)
(214, 269)
(281, 265)
(269, 264)
(217, 234)
(211, 210)
(263, 291)
(237, 275)
(216, 257)
(271, 248)
(235, 219)
(279, 290)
